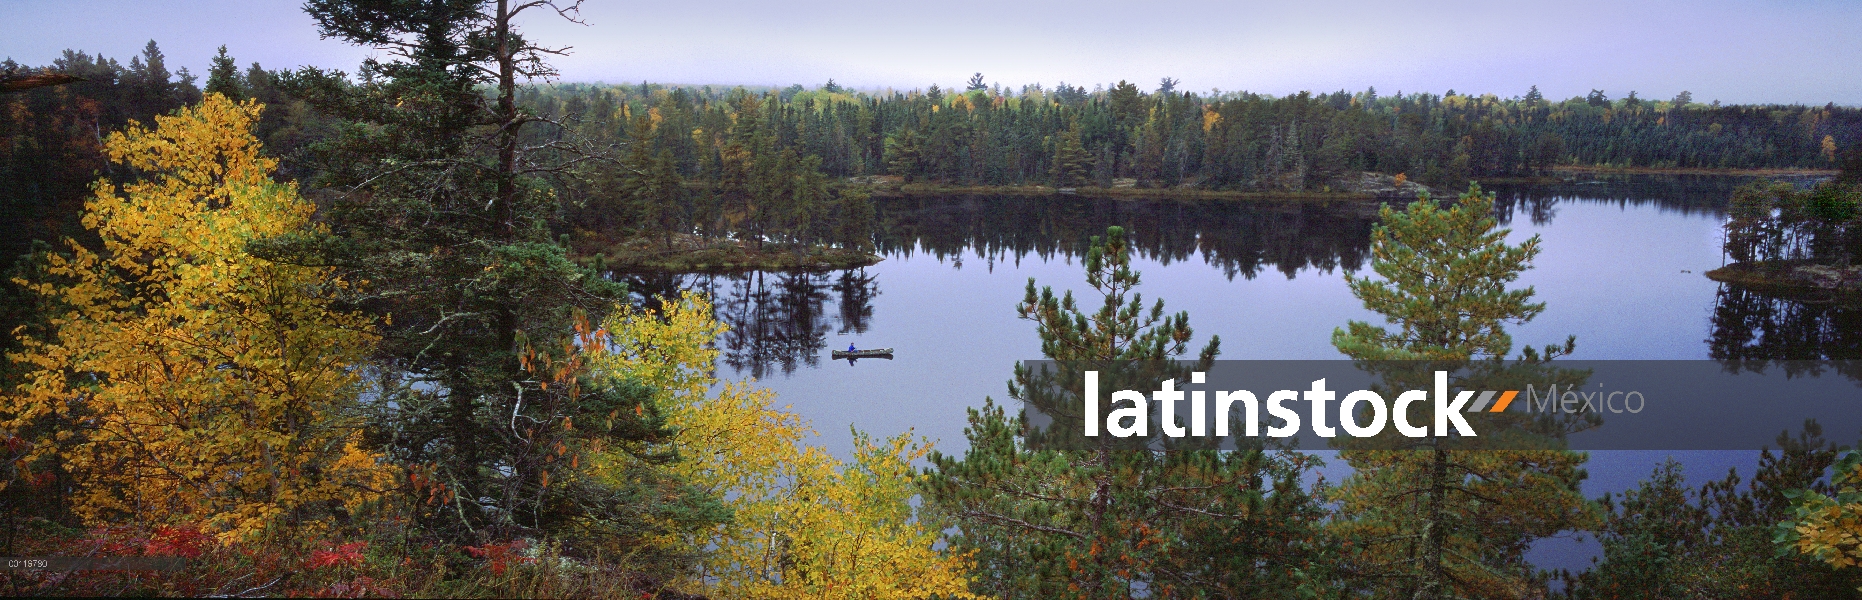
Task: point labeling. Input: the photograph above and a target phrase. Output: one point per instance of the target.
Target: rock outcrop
(1794, 278)
(1385, 187)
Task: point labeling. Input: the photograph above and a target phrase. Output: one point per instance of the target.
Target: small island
(1799, 243)
(1805, 280)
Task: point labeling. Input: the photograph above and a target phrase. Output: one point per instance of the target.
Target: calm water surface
(1621, 268)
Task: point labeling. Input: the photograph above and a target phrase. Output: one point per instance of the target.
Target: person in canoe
(850, 357)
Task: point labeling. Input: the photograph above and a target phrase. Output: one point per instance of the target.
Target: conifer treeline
(51, 138)
(764, 166)
(1070, 136)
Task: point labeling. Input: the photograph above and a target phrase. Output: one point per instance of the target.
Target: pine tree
(223, 78)
(1127, 103)
(661, 197)
(1442, 518)
(642, 191)
(1057, 520)
(1730, 538)
(151, 89)
(1647, 538)
(903, 154)
(854, 226)
(1071, 164)
(442, 210)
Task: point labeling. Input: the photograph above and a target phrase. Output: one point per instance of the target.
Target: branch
(1201, 511)
(12, 82)
(1026, 525)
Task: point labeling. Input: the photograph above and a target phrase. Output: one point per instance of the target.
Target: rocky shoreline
(1794, 278)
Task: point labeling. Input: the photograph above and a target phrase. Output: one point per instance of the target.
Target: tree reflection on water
(1748, 325)
(780, 321)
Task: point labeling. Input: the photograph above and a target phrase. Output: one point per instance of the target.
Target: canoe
(874, 353)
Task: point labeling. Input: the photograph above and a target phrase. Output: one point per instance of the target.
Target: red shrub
(185, 541)
(349, 555)
(499, 556)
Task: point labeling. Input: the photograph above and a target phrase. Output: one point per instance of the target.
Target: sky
(1735, 51)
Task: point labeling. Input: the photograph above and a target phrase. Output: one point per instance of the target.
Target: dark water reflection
(781, 322)
(1621, 268)
(1238, 238)
(778, 321)
(1683, 194)
(1748, 325)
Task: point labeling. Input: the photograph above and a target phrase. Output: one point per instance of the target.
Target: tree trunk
(1434, 535)
(507, 124)
(1100, 547)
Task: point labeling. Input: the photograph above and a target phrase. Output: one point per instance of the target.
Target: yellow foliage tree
(1829, 528)
(199, 382)
(805, 525)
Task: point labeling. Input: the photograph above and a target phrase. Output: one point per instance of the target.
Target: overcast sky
(1788, 51)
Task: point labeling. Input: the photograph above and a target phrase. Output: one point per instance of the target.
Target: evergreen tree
(635, 194)
(151, 89)
(1055, 521)
(1442, 518)
(903, 154)
(1647, 536)
(1070, 164)
(223, 78)
(442, 210)
(1746, 553)
(661, 196)
(1665, 540)
(808, 201)
(854, 225)
(1127, 103)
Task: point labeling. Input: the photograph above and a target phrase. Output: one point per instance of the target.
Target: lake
(1621, 268)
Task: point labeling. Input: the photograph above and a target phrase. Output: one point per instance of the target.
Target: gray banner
(1579, 405)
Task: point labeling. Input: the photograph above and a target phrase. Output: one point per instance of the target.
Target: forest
(349, 334)
(772, 163)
